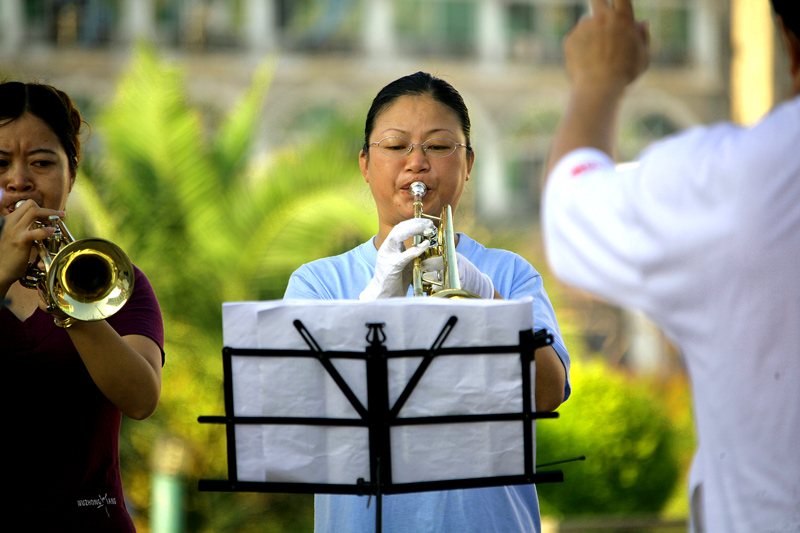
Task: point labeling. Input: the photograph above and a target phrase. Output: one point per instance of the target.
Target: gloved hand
(393, 268)
(469, 276)
(474, 280)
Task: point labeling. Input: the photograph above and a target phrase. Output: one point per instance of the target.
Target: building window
(653, 126)
(442, 27)
(524, 177)
(71, 22)
(315, 25)
(670, 22)
(536, 29)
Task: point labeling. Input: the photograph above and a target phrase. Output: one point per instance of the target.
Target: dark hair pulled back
(51, 105)
(789, 13)
(420, 83)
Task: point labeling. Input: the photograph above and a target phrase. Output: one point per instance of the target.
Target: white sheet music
(300, 387)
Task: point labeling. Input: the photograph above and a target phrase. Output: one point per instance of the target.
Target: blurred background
(222, 154)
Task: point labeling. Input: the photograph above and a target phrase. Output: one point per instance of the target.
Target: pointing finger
(600, 5)
(624, 8)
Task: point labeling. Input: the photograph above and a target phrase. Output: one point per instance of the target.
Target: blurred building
(504, 56)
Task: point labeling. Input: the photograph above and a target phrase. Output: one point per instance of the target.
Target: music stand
(383, 431)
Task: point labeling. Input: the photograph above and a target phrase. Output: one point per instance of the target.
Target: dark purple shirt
(63, 461)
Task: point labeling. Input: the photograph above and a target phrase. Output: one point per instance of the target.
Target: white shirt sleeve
(588, 229)
(639, 234)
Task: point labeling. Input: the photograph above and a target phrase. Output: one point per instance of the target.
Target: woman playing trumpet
(69, 385)
(418, 130)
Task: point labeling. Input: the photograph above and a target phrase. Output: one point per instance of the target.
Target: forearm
(550, 379)
(590, 121)
(8, 274)
(4, 290)
(604, 54)
(126, 370)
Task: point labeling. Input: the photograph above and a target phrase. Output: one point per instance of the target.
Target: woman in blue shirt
(418, 130)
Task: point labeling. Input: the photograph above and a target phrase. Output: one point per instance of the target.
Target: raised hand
(609, 49)
(604, 54)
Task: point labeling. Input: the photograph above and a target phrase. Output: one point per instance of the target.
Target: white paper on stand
(452, 385)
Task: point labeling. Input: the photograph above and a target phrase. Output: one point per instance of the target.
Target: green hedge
(632, 464)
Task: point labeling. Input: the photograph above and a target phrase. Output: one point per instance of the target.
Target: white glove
(474, 280)
(469, 276)
(393, 268)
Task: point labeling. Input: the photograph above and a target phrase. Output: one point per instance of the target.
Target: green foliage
(208, 225)
(205, 223)
(623, 430)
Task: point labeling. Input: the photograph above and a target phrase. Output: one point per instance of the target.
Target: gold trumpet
(442, 244)
(88, 279)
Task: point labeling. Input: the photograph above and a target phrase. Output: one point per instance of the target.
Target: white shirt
(703, 235)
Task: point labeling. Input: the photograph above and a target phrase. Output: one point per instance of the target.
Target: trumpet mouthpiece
(418, 189)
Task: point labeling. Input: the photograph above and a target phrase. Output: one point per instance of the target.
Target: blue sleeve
(299, 287)
(528, 282)
(340, 277)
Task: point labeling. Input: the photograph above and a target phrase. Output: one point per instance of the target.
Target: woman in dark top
(68, 381)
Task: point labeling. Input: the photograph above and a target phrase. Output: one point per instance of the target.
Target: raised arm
(604, 54)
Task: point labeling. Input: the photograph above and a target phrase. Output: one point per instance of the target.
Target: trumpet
(443, 245)
(88, 279)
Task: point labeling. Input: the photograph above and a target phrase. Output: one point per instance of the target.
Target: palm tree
(197, 214)
(208, 225)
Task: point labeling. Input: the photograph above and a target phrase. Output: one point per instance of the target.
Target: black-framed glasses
(399, 147)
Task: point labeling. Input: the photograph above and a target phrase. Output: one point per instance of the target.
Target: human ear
(363, 163)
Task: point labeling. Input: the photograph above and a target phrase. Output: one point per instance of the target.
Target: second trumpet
(442, 245)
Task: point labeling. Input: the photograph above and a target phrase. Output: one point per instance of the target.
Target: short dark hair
(788, 11)
(419, 83)
(51, 105)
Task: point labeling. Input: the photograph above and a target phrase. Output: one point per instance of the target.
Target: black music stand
(381, 418)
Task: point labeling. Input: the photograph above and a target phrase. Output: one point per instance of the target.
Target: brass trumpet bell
(88, 279)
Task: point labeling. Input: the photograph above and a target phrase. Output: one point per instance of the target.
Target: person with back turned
(702, 233)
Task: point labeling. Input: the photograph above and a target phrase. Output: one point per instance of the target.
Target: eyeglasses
(435, 148)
